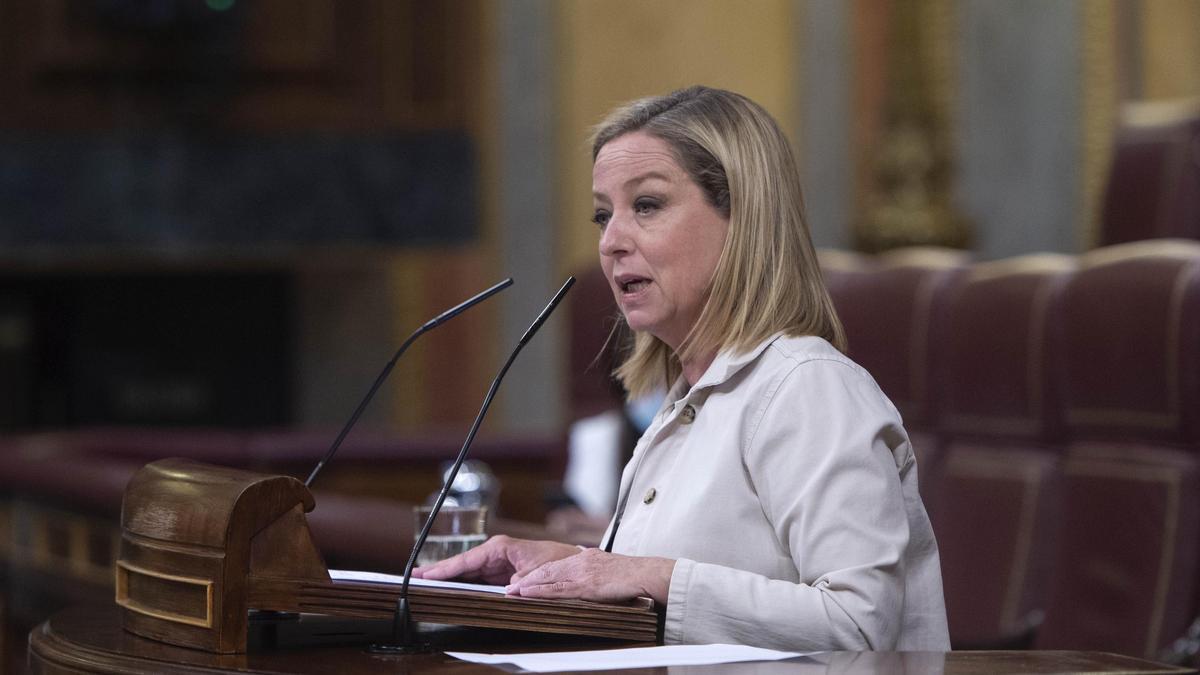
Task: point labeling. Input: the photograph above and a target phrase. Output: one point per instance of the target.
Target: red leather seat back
(1001, 351)
(995, 503)
(1154, 185)
(591, 314)
(889, 311)
(1131, 340)
(839, 267)
(1126, 574)
(1126, 577)
(995, 530)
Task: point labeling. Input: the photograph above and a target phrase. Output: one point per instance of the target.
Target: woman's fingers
(545, 569)
(564, 590)
(488, 562)
(595, 575)
(499, 560)
(573, 577)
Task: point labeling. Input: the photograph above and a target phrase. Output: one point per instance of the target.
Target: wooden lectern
(202, 545)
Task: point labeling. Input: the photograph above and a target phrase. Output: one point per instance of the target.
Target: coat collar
(724, 366)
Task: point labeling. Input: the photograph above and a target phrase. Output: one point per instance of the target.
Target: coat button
(688, 414)
(650, 494)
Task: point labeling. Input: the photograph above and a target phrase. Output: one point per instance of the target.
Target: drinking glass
(455, 529)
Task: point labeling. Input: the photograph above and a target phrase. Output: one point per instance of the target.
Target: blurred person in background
(598, 446)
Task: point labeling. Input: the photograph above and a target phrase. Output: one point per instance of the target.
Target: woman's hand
(595, 575)
(499, 560)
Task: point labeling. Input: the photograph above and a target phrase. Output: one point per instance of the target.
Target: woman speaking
(773, 500)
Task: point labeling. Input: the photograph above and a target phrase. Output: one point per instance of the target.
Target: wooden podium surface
(90, 639)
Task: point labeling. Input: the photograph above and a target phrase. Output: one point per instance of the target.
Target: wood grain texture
(243, 539)
(90, 640)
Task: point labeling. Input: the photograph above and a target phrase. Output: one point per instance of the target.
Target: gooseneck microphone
(402, 629)
(426, 327)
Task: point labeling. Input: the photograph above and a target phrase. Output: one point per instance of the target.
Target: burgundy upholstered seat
(1154, 186)
(591, 314)
(889, 307)
(889, 311)
(995, 503)
(1131, 327)
(1126, 576)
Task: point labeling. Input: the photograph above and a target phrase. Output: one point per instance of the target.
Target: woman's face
(660, 239)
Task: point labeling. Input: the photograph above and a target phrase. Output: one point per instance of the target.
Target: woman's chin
(638, 322)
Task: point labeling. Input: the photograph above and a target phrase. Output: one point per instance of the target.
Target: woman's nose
(614, 239)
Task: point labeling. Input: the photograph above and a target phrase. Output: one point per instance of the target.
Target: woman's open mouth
(634, 285)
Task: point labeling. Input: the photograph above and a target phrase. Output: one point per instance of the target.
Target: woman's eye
(643, 207)
(601, 218)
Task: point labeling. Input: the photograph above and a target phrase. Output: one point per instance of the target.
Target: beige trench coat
(785, 486)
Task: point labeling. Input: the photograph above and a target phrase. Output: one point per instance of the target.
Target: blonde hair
(767, 279)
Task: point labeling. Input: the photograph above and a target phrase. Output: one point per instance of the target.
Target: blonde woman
(773, 500)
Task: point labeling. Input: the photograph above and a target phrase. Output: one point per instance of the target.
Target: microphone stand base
(404, 632)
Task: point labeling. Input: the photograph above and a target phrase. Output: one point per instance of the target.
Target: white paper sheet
(638, 657)
(378, 577)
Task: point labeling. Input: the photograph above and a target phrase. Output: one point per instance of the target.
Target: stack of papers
(381, 578)
(640, 657)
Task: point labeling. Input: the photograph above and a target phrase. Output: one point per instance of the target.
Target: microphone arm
(425, 328)
(402, 625)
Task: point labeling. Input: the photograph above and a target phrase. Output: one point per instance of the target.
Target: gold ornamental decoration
(910, 203)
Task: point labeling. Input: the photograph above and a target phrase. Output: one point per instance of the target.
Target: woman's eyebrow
(637, 180)
(649, 175)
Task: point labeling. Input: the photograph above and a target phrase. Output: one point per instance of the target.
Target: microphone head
(466, 304)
